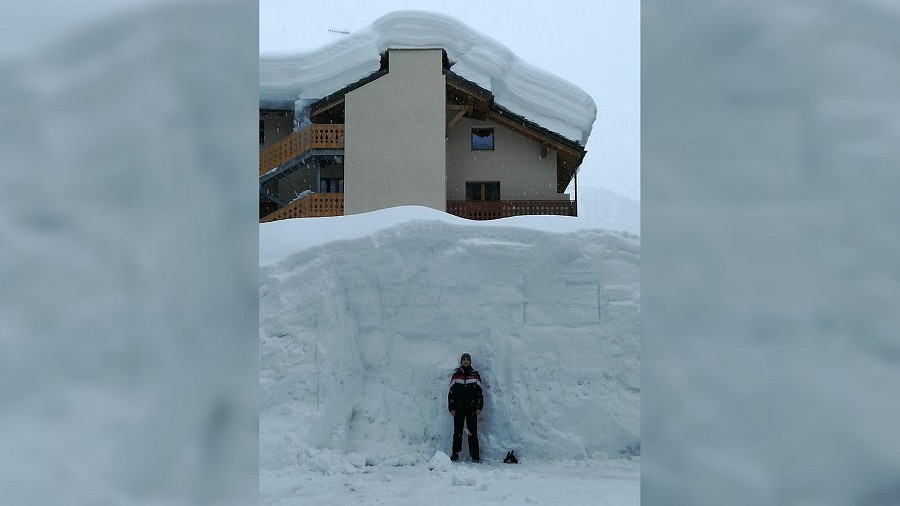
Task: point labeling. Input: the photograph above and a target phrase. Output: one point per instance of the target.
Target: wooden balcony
(507, 208)
(332, 204)
(311, 206)
(294, 145)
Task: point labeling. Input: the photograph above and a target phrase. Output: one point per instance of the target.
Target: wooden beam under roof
(462, 111)
(325, 107)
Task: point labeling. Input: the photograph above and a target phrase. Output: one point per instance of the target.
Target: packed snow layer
(280, 239)
(443, 483)
(526, 90)
(358, 337)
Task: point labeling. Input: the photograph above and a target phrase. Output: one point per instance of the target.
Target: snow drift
(358, 337)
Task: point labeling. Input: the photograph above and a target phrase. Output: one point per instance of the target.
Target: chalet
(411, 132)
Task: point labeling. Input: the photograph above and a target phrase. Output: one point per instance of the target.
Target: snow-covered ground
(363, 318)
(596, 483)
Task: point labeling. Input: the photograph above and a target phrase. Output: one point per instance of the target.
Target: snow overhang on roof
(534, 94)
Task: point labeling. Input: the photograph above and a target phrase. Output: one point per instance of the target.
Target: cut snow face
(524, 89)
(359, 336)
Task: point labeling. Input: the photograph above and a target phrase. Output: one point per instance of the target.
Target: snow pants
(470, 421)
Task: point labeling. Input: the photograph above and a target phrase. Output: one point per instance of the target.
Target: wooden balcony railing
(507, 208)
(310, 206)
(311, 137)
(332, 204)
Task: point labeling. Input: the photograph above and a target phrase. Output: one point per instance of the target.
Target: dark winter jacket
(465, 391)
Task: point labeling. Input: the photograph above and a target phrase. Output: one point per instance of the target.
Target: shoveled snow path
(570, 483)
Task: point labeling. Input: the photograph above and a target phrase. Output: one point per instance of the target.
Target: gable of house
(465, 99)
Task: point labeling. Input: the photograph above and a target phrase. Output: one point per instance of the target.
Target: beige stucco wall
(515, 161)
(394, 136)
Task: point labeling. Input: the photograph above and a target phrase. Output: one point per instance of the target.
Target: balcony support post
(576, 192)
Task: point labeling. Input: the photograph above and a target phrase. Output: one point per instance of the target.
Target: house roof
(518, 87)
(569, 154)
(474, 102)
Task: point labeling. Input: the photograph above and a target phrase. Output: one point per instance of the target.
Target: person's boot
(476, 459)
(454, 457)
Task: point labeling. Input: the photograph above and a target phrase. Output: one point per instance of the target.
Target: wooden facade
(314, 205)
(294, 145)
(332, 204)
(506, 208)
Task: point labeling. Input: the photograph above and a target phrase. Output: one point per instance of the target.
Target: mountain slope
(607, 209)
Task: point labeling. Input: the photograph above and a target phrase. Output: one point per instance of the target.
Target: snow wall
(358, 339)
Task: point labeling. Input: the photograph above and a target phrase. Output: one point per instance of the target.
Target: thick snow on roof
(522, 88)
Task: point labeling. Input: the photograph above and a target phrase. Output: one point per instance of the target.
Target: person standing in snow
(465, 402)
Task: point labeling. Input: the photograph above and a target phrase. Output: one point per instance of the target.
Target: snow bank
(280, 239)
(531, 92)
(358, 337)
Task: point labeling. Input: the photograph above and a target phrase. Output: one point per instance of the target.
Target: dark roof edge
(453, 76)
(503, 111)
(385, 63)
(347, 89)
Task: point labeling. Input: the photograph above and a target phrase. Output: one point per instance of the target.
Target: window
(482, 191)
(262, 132)
(482, 139)
(331, 185)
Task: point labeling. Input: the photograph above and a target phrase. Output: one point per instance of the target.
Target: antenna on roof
(343, 32)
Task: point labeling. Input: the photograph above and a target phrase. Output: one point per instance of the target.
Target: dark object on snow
(511, 458)
(454, 457)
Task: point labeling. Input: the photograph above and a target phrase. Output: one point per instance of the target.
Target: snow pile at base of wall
(529, 91)
(358, 338)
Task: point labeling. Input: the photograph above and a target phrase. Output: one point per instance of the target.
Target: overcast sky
(593, 44)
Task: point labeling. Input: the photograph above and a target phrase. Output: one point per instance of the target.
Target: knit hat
(464, 356)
